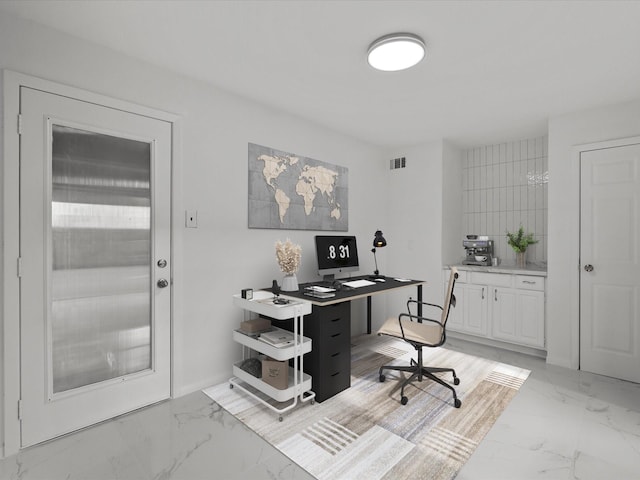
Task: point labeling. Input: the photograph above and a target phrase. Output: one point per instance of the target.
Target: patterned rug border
(364, 431)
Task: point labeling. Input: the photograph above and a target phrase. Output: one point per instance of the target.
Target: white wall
(222, 255)
(414, 224)
(566, 133)
(452, 208)
(2, 266)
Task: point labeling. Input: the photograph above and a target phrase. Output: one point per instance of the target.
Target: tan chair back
(449, 299)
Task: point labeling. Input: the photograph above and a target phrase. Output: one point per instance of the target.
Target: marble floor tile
(562, 424)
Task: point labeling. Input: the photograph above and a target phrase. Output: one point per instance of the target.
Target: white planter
(290, 283)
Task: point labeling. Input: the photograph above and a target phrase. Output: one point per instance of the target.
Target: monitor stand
(328, 278)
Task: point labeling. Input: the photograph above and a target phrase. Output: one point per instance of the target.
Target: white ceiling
(495, 70)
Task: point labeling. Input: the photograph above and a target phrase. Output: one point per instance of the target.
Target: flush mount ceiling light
(397, 51)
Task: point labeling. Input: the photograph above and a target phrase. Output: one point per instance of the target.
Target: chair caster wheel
(280, 419)
(457, 403)
(382, 378)
(312, 402)
(404, 400)
(456, 381)
(231, 386)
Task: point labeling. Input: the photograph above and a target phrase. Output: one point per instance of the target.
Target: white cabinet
(474, 309)
(518, 316)
(299, 383)
(500, 306)
(470, 313)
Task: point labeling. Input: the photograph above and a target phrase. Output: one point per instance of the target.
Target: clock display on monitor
(336, 254)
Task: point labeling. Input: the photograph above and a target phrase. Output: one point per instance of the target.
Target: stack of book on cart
(277, 338)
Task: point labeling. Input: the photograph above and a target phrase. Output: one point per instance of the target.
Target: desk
(347, 294)
(329, 327)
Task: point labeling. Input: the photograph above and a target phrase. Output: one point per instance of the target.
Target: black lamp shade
(379, 240)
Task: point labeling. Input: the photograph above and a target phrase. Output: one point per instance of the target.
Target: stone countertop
(509, 268)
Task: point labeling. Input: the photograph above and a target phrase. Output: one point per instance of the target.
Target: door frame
(577, 152)
(9, 229)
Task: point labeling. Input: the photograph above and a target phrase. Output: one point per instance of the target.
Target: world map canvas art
(288, 191)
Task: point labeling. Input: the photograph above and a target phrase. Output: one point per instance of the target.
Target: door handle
(588, 268)
(482, 293)
(162, 283)
(162, 263)
(495, 294)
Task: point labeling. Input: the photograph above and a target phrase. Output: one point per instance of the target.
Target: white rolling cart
(299, 383)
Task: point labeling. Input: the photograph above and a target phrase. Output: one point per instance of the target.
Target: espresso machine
(479, 250)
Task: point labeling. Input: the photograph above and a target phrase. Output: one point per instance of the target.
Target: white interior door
(610, 267)
(94, 248)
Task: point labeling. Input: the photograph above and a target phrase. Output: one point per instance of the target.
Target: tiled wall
(504, 186)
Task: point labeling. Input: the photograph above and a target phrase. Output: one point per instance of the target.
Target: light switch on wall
(191, 218)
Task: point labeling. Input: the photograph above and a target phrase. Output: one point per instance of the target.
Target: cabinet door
(530, 311)
(504, 314)
(518, 316)
(475, 309)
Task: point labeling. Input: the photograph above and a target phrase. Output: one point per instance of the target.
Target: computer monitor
(336, 254)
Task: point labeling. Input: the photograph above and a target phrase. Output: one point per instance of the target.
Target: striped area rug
(364, 432)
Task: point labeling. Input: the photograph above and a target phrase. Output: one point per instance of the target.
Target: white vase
(289, 283)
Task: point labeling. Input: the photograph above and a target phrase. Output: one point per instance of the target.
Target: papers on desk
(358, 283)
(319, 289)
(320, 292)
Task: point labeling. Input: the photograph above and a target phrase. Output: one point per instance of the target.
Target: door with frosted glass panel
(95, 272)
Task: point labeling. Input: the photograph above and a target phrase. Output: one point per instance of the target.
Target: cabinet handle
(482, 293)
(495, 294)
(528, 282)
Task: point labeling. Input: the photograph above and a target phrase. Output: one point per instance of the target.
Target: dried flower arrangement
(288, 255)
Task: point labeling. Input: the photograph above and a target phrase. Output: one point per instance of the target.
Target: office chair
(421, 332)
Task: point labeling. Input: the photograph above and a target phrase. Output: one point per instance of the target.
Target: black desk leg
(369, 314)
(419, 300)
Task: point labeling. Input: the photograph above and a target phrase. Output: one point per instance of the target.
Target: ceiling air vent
(398, 163)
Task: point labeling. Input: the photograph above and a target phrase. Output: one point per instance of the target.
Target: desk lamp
(378, 242)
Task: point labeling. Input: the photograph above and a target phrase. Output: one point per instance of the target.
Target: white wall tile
(509, 195)
(524, 204)
(503, 199)
(531, 148)
(539, 148)
(516, 198)
(531, 197)
(515, 146)
(540, 229)
(504, 186)
(523, 150)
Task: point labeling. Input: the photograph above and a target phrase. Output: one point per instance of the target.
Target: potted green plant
(519, 242)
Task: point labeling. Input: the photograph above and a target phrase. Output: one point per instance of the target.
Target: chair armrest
(418, 302)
